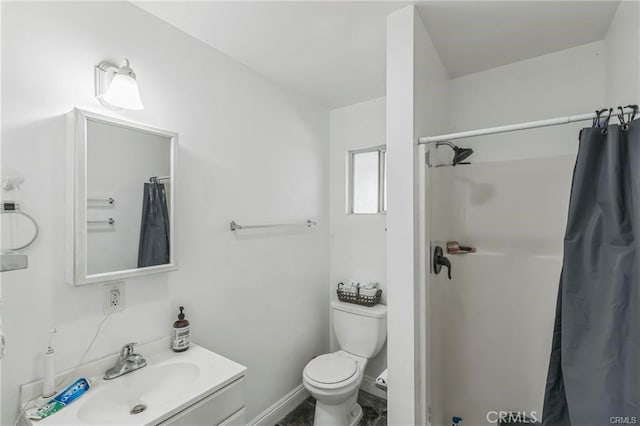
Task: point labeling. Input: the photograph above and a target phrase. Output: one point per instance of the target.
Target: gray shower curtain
(594, 370)
(154, 228)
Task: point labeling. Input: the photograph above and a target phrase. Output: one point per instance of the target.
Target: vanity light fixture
(116, 87)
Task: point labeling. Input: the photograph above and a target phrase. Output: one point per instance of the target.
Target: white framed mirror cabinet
(120, 199)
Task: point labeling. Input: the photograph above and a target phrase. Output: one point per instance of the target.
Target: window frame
(382, 159)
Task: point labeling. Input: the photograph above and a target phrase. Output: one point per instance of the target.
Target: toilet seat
(331, 369)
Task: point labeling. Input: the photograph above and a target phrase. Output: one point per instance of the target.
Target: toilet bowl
(334, 380)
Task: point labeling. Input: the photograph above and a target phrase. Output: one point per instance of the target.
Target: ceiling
(474, 36)
(334, 52)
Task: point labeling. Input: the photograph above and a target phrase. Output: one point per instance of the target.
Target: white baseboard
(290, 401)
(281, 408)
(369, 385)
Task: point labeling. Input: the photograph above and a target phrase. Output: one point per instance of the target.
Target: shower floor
(374, 412)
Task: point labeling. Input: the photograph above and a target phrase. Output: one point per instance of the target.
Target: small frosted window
(368, 182)
(365, 182)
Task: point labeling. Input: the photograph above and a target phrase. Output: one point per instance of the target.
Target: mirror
(121, 182)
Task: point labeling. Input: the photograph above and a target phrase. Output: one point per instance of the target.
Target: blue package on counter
(66, 397)
(73, 392)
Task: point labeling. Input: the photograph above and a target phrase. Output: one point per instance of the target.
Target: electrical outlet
(114, 297)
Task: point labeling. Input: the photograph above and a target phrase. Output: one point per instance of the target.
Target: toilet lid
(331, 369)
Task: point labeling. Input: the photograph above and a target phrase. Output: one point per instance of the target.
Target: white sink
(168, 384)
(151, 386)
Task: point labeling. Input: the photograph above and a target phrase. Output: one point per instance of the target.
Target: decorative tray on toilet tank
(356, 297)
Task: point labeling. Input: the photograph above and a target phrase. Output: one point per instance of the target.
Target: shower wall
(498, 310)
(492, 323)
(563, 83)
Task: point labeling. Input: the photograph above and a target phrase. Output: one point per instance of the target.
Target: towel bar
(235, 227)
(109, 221)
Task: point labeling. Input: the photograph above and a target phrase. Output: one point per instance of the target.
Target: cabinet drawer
(236, 420)
(212, 410)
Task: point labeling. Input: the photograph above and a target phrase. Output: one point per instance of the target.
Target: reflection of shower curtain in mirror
(154, 227)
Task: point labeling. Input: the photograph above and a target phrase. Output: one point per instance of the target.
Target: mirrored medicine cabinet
(120, 199)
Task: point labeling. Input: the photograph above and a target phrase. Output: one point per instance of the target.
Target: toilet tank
(360, 330)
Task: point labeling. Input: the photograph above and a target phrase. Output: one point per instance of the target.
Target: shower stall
(498, 227)
(493, 193)
(502, 193)
(491, 323)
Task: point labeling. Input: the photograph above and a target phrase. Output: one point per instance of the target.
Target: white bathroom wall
(496, 315)
(249, 152)
(417, 87)
(431, 101)
(622, 56)
(401, 232)
(358, 242)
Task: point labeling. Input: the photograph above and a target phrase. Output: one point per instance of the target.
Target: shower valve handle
(439, 260)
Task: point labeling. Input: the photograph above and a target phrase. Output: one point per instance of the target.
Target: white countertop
(169, 383)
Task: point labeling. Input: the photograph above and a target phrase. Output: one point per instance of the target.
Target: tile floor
(374, 412)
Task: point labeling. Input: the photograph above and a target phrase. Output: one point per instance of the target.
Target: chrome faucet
(127, 363)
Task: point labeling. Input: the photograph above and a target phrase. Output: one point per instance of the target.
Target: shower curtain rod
(516, 127)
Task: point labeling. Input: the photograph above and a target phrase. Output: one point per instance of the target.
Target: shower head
(459, 154)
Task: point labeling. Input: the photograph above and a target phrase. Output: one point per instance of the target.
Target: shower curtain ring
(596, 120)
(605, 128)
(632, 115)
(623, 124)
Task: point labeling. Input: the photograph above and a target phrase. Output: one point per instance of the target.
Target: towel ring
(35, 224)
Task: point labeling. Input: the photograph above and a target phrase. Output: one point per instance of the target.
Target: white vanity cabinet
(192, 388)
(224, 408)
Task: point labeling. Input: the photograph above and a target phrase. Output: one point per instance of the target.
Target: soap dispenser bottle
(180, 333)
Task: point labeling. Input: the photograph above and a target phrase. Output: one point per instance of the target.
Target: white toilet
(334, 379)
